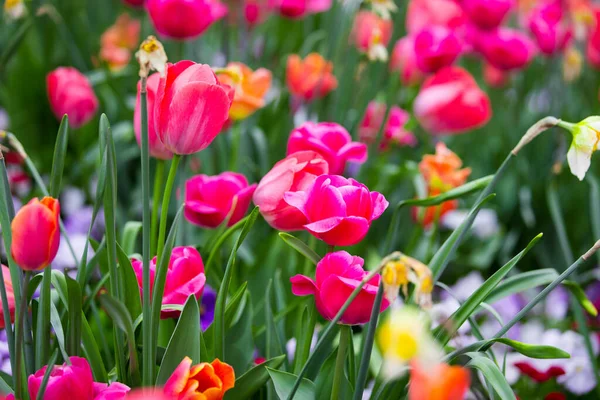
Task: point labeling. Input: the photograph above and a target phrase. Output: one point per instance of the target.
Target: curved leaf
(300, 247)
(253, 380)
(284, 383)
(492, 375)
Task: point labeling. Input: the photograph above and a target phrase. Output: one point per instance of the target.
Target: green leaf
(446, 331)
(300, 247)
(58, 330)
(253, 380)
(452, 194)
(594, 206)
(49, 368)
(581, 297)
(239, 339)
(522, 282)
(222, 238)
(75, 312)
(92, 352)
(131, 292)
(492, 375)
(130, 233)
(42, 345)
(273, 344)
(284, 382)
(60, 152)
(185, 341)
(529, 350)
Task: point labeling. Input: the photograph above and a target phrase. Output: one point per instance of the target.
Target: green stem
(303, 345)
(20, 336)
(159, 175)
(236, 138)
(164, 212)
(340, 361)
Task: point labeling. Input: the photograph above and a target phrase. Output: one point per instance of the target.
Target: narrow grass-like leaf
(235, 306)
(529, 350)
(221, 239)
(579, 295)
(131, 292)
(253, 380)
(284, 386)
(300, 247)
(522, 282)
(49, 368)
(42, 332)
(456, 193)
(492, 375)
(74, 313)
(92, 352)
(185, 341)
(58, 330)
(60, 153)
(130, 234)
(594, 206)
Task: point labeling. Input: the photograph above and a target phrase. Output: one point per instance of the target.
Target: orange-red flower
(36, 234)
(441, 172)
(203, 381)
(250, 88)
(442, 382)
(118, 41)
(310, 78)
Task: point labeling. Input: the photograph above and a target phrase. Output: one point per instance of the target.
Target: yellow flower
(572, 64)
(399, 270)
(586, 136)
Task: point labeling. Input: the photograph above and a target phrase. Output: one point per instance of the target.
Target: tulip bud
(36, 234)
(70, 92)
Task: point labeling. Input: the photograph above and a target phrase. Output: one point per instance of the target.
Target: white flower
(15, 9)
(384, 7)
(151, 56)
(586, 135)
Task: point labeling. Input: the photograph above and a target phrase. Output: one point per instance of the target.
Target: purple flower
(207, 307)
(4, 354)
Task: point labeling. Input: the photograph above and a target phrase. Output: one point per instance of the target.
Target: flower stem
(159, 175)
(164, 212)
(236, 138)
(340, 361)
(20, 336)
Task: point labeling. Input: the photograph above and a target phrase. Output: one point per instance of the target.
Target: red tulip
(191, 107)
(450, 102)
(294, 173)
(546, 23)
(157, 149)
(423, 14)
(209, 199)
(70, 93)
(506, 49)
(436, 47)
(36, 234)
(487, 14)
(404, 61)
(184, 19)
(256, 11)
(114, 391)
(68, 381)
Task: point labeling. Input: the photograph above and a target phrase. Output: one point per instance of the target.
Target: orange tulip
(250, 88)
(442, 382)
(310, 78)
(203, 381)
(118, 41)
(36, 234)
(10, 294)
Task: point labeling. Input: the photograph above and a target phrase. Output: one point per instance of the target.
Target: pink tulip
(495, 77)
(256, 11)
(370, 29)
(185, 277)
(450, 102)
(294, 173)
(505, 48)
(148, 394)
(72, 381)
(593, 42)
(339, 211)
(487, 14)
(157, 149)
(191, 107)
(393, 132)
(422, 14)
(300, 8)
(114, 391)
(209, 199)
(436, 47)
(337, 275)
(547, 26)
(184, 19)
(331, 141)
(70, 92)
(404, 60)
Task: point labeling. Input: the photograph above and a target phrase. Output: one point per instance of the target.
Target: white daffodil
(14, 9)
(151, 56)
(586, 135)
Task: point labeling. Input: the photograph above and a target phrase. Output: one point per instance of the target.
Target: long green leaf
(456, 193)
(92, 352)
(492, 375)
(60, 153)
(131, 292)
(49, 368)
(131, 232)
(300, 247)
(253, 380)
(74, 313)
(594, 206)
(529, 350)
(581, 297)
(284, 385)
(522, 282)
(58, 330)
(185, 341)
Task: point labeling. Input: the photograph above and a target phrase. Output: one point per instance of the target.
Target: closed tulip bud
(184, 19)
(36, 234)
(436, 47)
(191, 107)
(70, 92)
(72, 380)
(250, 88)
(311, 78)
(487, 14)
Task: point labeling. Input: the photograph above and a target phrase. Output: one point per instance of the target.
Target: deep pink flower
(339, 210)
(423, 14)
(487, 14)
(74, 381)
(295, 172)
(404, 61)
(393, 132)
(185, 277)
(436, 47)
(593, 42)
(114, 391)
(157, 149)
(191, 107)
(546, 23)
(505, 48)
(70, 92)
(135, 3)
(256, 11)
(370, 30)
(450, 102)
(300, 8)
(539, 376)
(209, 199)
(337, 275)
(331, 141)
(184, 19)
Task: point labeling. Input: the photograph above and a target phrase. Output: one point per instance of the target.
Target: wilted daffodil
(586, 135)
(151, 56)
(399, 271)
(14, 9)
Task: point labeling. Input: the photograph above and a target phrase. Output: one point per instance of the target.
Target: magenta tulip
(505, 48)
(157, 149)
(487, 14)
(209, 199)
(67, 381)
(450, 102)
(546, 23)
(300, 8)
(295, 172)
(422, 14)
(184, 19)
(70, 92)
(404, 61)
(436, 47)
(339, 211)
(331, 141)
(185, 277)
(191, 107)
(114, 391)
(394, 130)
(337, 275)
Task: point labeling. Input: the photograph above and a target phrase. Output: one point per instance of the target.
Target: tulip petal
(178, 379)
(337, 231)
(335, 291)
(303, 285)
